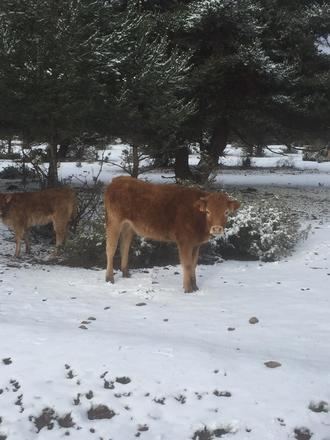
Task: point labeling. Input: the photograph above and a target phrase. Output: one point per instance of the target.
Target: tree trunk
(52, 178)
(212, 151)
(181, 165)
(9, 146)
(135, 161)
(63, 149)
(24, 173)
(290, 148)
(218, 141)
(259, 150)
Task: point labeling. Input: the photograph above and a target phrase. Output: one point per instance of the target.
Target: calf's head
(217, 207)
(4, 203)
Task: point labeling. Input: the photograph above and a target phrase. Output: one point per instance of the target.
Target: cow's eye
(227, 212)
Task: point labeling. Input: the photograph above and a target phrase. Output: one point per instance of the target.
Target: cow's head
(5, 200)
(217, 207)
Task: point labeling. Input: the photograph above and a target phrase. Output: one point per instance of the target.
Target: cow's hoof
(126, 274)
(109, 279)
(191, 290)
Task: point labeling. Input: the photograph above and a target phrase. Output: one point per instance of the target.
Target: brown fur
(182, 215)
(20, 211)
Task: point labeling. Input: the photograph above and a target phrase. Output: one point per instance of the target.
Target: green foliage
(258, 71)
(52, 80)
(151, 103)
(11, 172)
(16, 172)
(163, 74)
(85, 247)
(266, 230)
(9, 156)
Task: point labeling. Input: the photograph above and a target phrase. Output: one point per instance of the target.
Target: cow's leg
(195, 260)
(186, 259)
(126, 238)
(113, 234)
(60, 228)
(19, 235)
(27, 242)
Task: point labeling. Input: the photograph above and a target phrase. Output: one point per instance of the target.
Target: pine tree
(258, 74)
(54, 82)
(151, 104)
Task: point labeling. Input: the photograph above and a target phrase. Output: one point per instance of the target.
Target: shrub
(15, 172)
(11, 172)
(246, 162)
(9, 156)
(86, 247)
(266, 230)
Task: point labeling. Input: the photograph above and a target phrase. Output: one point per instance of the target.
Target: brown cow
(22, 210)
(186, 216)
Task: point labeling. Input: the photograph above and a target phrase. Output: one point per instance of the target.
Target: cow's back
(40, 207)
(157, 211)
(62, 200)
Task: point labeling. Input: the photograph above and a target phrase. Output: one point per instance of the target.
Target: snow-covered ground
(276, 168)
(89, 360)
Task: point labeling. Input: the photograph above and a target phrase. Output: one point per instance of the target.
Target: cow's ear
(201, 204)
(233, 205)
(8, 198)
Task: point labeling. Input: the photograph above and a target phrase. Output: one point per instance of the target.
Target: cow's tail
(106, 209)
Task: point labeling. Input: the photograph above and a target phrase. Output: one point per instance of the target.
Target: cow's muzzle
(216, 230)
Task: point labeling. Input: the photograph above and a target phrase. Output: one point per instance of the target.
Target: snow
(190, 360)
(286, 169)
(252, 178)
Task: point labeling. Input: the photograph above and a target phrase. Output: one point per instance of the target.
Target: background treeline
(165, 74)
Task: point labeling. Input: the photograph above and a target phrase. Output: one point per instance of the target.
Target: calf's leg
(27, 242)
(126, 238)
(113, 234)
(60, 228)
(193, 272)
(187, 263)
(19, 235)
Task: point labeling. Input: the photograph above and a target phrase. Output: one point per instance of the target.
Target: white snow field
(83, 359)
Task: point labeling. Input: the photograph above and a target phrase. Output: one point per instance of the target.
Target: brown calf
(186, 216)
(20, 211)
